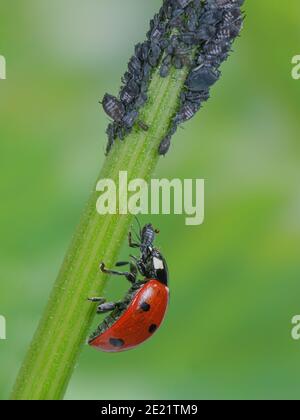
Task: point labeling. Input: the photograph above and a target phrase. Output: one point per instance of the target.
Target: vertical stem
(64, 327)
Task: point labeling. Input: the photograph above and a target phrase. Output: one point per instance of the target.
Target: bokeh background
(235, 281)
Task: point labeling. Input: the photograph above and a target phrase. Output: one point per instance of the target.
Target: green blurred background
(235, 281)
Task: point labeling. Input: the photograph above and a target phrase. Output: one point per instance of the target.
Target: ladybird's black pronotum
(135, 319)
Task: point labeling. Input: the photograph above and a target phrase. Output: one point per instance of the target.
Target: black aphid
(187, 111)
(143, 125)
(180, 29)
(165, 145)
(166, 66)
(113, 107)
(130, 118)
(202, 78)
(183, 3)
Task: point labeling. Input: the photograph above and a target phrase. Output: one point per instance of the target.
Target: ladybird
(139, 315)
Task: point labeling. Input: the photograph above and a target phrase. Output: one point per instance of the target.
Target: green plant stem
(65, 324)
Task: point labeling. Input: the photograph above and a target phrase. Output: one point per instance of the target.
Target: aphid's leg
(129, 276)
(131, 243)
(97, 299)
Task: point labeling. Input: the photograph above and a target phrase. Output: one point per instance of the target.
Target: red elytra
(140, 320)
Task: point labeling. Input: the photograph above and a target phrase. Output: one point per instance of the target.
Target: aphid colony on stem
(194, 33)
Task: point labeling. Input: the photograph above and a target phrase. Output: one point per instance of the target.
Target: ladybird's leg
(133, 268)
(122, 263)
(142, 269)
(133, 271)
(131, 243)
(129, 276)
(140, 266)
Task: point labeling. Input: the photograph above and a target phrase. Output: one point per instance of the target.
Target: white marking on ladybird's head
(158, 264)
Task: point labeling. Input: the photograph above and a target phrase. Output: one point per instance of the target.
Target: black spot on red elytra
(145, 307)
(152, 328)
(116, 342)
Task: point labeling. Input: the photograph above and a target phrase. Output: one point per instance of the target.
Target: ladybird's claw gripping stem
(102, 267)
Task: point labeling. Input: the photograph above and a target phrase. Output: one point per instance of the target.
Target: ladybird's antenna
(136, 235)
